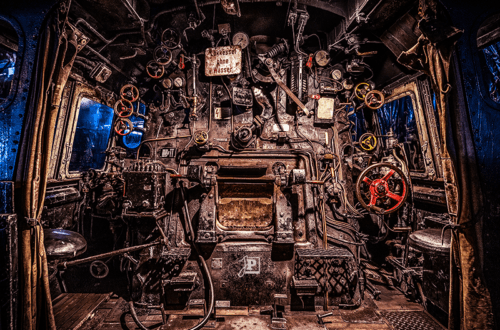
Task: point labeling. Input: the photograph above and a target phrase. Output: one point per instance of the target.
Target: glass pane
(492, 58)
(399, 116)
(8, 55)
(91, 136)
(133, 140)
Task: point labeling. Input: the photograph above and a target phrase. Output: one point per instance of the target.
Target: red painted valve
(382, 188)
(309, 63)
(315, 96)
(124, 108)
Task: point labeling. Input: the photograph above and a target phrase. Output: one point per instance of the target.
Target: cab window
(91, 136)
(8, 56)
(398, 116)
(488, 43)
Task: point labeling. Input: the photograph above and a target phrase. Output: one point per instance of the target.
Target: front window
(398, 116)
(91, 136)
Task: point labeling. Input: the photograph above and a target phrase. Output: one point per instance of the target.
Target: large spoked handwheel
(155, 70)
(382, 188)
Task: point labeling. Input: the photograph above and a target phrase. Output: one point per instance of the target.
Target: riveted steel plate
(222, 61)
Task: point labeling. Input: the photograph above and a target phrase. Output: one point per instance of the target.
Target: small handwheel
(382, 188)
(374, 99)
(368, 141)
(170, 38)
(155, 70)
(123, 126)
(99, 269)
(124, 108)
(361, 90)
(129, 92)
(162, 55)
(201, 138)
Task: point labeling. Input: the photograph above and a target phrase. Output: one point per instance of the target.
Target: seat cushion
(429, 241)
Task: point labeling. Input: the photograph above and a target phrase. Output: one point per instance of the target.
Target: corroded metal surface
(223, 61)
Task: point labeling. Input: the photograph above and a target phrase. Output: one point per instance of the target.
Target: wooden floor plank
(73, 311)
(68, 309)
(87, 311)
(79, 312)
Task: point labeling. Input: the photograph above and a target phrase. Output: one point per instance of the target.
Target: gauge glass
(337, 74)
(241, 39)
(178, 82)
(322, 57)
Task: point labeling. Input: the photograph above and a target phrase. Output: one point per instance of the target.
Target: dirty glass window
(133, 140)
(398, 116)
(8, 56)
(91, 136)
(488, 43)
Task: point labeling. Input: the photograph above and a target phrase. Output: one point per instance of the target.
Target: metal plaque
(325, 108)
(168, 152)
(242, 96)
(222, 61)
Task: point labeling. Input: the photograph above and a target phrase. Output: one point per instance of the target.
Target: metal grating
(411, 321)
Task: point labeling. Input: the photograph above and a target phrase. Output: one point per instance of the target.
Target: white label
(281, 128)
(325, 108)
(251, 265)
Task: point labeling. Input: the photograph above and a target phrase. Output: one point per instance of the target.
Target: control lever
(270, 66)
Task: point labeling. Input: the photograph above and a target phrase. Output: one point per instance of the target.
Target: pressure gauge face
(167, 83)
(337, 74)
(241, 39)
(348, 84)
(322, 57)
(178, 82)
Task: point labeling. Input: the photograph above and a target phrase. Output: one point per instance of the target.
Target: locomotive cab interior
(237, 164)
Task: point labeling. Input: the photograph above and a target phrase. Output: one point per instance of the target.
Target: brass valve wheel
(374, 100)
(368, 141)
(382, 188)
(123, 126)
(124, 108)
(155, 70)
(201, 138)
(129, 92)
(361, 90)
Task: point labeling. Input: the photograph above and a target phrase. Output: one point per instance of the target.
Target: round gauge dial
(337, 74)
(241, 39)
(322, 57)
(348, 84)
(178, 82)
(167, 83)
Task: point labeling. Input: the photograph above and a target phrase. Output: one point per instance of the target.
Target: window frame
(19, 60)
(80, 91)
(478, 62)
(426, 135)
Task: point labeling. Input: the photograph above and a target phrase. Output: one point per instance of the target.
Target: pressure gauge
(322, 57)
(336, 74)
(179, 82)
(167, 83)
(348, 84)
(241, 39)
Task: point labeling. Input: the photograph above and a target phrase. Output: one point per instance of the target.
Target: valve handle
(368, 141)
(361, 90)
(155, 70)
(382, 188)
(123, 126)
(124, 108)
(129, 92)
(374, 100)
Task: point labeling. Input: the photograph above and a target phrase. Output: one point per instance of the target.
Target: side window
(8, 55)
(91, 136)
(398, 116)
(488, 43)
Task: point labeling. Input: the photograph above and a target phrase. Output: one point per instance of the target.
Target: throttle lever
(269, 63)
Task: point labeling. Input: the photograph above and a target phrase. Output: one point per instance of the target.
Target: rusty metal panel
(223, 61)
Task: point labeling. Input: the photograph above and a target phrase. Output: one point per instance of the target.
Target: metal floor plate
(406, 320)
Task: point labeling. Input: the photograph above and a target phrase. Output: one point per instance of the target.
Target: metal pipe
(107, 255)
